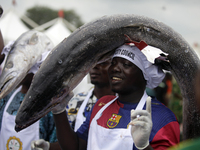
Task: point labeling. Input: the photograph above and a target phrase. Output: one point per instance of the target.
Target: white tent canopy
(58, 31)
(11, 26)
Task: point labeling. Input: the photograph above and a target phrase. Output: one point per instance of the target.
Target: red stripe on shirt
(167, 136)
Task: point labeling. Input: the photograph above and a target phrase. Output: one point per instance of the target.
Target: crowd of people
(117, 113)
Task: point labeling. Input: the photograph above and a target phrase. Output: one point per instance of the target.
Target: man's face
(99, 74)
(125, 76)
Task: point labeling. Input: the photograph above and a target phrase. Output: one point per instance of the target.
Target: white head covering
(152, 74)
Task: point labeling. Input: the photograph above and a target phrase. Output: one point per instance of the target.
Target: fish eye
(60, 61)
(9, 65)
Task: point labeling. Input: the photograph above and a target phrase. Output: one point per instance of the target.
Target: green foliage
(72, 17)
(43, 14)
(176, 102)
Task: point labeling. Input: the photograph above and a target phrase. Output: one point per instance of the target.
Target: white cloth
(152, 73)
(9, 138)
(118, 138)
(80, 118)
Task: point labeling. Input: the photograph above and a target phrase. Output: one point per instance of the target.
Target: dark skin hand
(99, 78)
(66, 133)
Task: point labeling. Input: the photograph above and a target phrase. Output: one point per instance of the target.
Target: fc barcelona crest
(113, 120)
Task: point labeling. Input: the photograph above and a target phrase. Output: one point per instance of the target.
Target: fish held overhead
(22, 55)
(71, 60)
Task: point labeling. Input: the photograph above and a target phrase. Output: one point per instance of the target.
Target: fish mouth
(6, 83)
(19, 125)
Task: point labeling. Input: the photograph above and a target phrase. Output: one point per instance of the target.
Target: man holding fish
(131, 120)
(81, 104)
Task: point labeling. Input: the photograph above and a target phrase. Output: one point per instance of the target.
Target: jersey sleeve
(167, 136)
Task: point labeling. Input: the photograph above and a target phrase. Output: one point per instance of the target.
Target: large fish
(28, 49)
(71, 60)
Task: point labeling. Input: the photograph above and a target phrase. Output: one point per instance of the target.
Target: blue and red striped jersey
(165, 131)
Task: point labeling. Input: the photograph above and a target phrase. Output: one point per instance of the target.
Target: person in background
(161, 92)
(169, 83)
(79, 107)
(81, 104)
(124, 121)
(9, 105)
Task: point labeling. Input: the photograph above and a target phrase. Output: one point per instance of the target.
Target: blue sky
(182, 15)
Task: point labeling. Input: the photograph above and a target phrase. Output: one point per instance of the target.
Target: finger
(142, 118)
(33, 144)
(138, 113)
(39, 143)
(137, 123)
(148, 105)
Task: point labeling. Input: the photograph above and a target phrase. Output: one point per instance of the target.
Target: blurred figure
(168, 80)
(79, 107)
(164, 90)
(9, 105)
(161, 92)
(81, 104)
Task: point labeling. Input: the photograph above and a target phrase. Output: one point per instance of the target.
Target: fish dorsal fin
(33, 40)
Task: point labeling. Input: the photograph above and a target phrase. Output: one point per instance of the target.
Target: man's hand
(40, 145)
(62, 105)
(141, 125)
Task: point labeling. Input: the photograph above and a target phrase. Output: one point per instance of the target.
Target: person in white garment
(81, 104)
(131, 120)
(9, 105)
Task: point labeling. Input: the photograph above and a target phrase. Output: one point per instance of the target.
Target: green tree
(43, 14)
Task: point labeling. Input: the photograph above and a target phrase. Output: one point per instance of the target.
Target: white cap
(152, 73)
